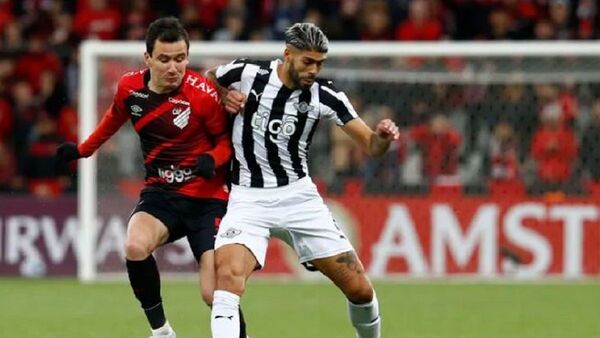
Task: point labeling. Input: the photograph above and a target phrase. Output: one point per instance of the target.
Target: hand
(205, 166)
(67, 152)
(387, 130)
(234, 102)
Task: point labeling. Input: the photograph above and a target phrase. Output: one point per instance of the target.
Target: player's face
(167, 64)
(304, 66)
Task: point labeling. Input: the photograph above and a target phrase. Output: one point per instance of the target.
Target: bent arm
(232, 99)
(217, 127)
(211, 74)
(108, 126)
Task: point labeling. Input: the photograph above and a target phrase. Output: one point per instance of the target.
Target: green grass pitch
(63, 308)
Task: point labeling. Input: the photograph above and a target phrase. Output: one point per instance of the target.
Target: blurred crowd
(509, 137)
(545, 139)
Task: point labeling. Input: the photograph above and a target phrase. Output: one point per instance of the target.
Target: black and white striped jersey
(272, 136)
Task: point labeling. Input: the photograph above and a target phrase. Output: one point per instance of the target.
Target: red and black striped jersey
(174, 129)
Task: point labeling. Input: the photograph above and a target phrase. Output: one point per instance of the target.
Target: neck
(156, 89)
(284, 76)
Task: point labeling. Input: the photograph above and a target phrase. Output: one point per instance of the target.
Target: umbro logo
(231, 232)
(263, 71)
(303, 107)
(136, 110)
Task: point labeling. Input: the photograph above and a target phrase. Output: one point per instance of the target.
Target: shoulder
(131, 82)
(327, 84)
(133, 79)
(248, 61)
(194, 84)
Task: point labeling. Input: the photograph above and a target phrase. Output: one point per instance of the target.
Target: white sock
(365, 318)
(225, 318)
(163, 330)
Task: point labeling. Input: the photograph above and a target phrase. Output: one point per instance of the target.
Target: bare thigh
(144, 234)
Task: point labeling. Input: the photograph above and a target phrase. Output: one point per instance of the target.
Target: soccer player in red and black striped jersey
(186, 143)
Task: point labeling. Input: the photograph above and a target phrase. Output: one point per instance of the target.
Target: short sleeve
(335, 105)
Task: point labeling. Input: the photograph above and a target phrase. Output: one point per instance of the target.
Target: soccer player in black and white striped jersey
(279, 105)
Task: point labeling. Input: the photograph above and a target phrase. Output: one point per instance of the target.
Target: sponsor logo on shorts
(231, 232)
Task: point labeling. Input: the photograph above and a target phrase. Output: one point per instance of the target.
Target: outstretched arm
(110, 123)
(373, 142)
(108, 126)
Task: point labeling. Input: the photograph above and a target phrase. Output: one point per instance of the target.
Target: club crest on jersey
(303, 107)
(182, 117)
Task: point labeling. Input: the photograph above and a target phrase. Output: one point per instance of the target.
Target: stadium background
(495, 182)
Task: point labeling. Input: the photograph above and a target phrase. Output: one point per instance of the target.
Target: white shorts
(294, 213)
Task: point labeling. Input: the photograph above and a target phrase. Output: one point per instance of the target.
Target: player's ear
(287, 54)
(147, 58)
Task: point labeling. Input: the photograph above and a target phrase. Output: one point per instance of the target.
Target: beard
(297, 78)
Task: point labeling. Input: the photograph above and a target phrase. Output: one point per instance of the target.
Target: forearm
(212, 76)
(223, 150)
(107, 127)
(378, 146)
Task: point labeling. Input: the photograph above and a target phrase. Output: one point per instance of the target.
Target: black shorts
(195, 218)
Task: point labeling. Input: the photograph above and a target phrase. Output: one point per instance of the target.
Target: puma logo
(256, 95)
(228, 317)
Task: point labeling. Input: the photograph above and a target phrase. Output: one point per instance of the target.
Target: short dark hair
(307, 36)
(167, 29)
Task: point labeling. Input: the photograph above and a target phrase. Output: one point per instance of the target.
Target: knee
(136, 249)
(360, 292)
(230, 278)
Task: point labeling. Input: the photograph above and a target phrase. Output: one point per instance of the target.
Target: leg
(347, 272)
(208, 283)
(144, 234)
(235, 263)
(207, 276)
(201, 236)
(240, 247)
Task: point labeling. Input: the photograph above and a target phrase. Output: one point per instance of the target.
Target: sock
(365, 318)
(145, 283)
(242, 323)
(225, 316)
(163, 330)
